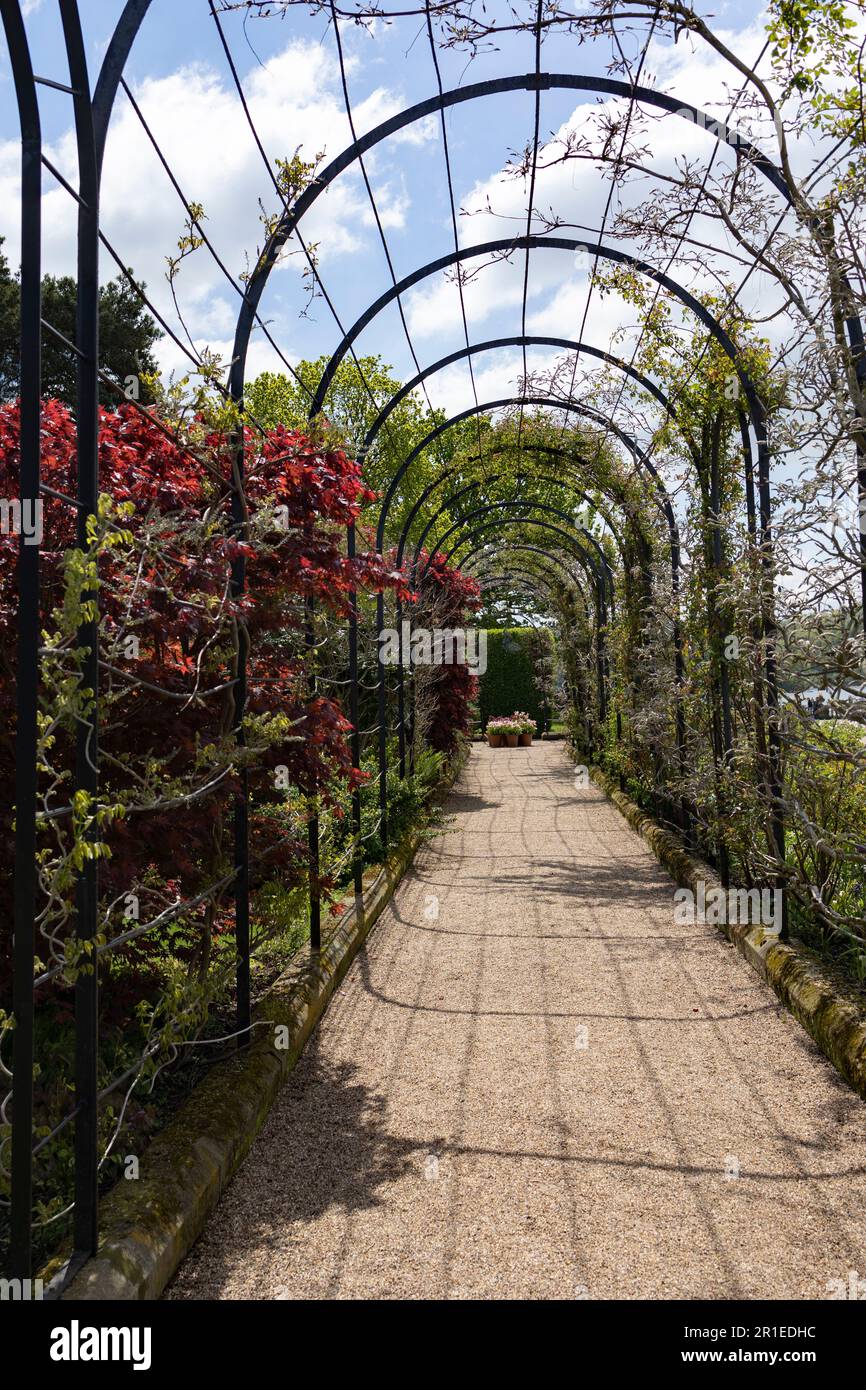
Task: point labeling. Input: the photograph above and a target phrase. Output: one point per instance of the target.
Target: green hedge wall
(511, 681)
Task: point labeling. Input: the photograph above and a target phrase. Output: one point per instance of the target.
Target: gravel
(532, 1084)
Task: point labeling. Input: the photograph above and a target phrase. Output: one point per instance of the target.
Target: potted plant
(510, 732)
(527, 728)
(495, 732)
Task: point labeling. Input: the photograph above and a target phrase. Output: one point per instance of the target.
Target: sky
(288, 71)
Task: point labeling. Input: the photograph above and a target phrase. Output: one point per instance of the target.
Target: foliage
(446, 692)
(163, 556)
(127, 335)
(408, 805)
(512, 679)
(353, 403)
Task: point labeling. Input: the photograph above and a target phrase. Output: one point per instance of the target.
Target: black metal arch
(534, 506)
(572, 406)
(517, 340)
(91, 123)
(453, 497)
(602, 579)
(525, 82)
(542, 478)
(604, 583)
(551, 578)
(519, 577)
(110, 76)
(553, 243)
(585, 559)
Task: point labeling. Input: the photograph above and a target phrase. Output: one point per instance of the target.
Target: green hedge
(513, 679)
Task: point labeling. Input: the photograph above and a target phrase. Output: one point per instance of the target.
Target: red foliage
(174, 598)
(450, 596)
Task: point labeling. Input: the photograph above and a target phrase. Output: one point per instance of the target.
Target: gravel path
(531, 1083)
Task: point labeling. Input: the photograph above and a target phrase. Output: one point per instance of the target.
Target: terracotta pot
(511, 740)
(525, 740)
(494, 740)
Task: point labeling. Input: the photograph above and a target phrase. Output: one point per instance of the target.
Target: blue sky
(288, 70)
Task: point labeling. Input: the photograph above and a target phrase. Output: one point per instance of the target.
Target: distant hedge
(519, 662)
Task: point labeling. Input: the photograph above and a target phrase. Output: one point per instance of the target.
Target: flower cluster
(517, 723)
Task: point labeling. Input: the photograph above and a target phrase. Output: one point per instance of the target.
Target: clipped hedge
(519, 662)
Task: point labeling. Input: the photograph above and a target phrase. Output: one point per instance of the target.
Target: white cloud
(576, 191)
(197, 120)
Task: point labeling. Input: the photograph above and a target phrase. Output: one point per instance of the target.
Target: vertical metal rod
(383, 741)
(313, 822)
(679, 685)
(727, 738)
(767, 622)
(601, 624)
(240, 807)
(358, 870)
(23, 950)
(858, 355)
(85, 1222)
(401, 693)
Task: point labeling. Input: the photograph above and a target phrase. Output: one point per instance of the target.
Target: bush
(518, 675)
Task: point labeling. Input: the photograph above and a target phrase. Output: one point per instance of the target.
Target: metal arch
(111, 72)
(756, 413)
(555, 452)
(92, 131)
(120, 46)
(530, 82)
(455, 496)
(601, 576)
(576, 409)
(380, 601)
(550, 577)
(517, 340)
(418, 548)
(536, 506)
(553, 243)
(525, 586)
(559, 482)
(85, 1220)
(520, 579)
(382, 694)
(566, 573)
(27, 694)
(448, 473)
(529, 549)
(661, 496)
(583, 558)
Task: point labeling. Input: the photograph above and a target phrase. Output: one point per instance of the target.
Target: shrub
(519, 660)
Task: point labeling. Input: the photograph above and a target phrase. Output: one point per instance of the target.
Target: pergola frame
(91, 123)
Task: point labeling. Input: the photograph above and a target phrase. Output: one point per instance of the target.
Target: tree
(127, 335)
(352, 405)
(9, 317)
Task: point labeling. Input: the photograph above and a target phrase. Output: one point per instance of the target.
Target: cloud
(576, 192)
(197, 120)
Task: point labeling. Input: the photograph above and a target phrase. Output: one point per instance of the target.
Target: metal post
(358, 872)
(85, 1222)
(28, 647)
(382, 710)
